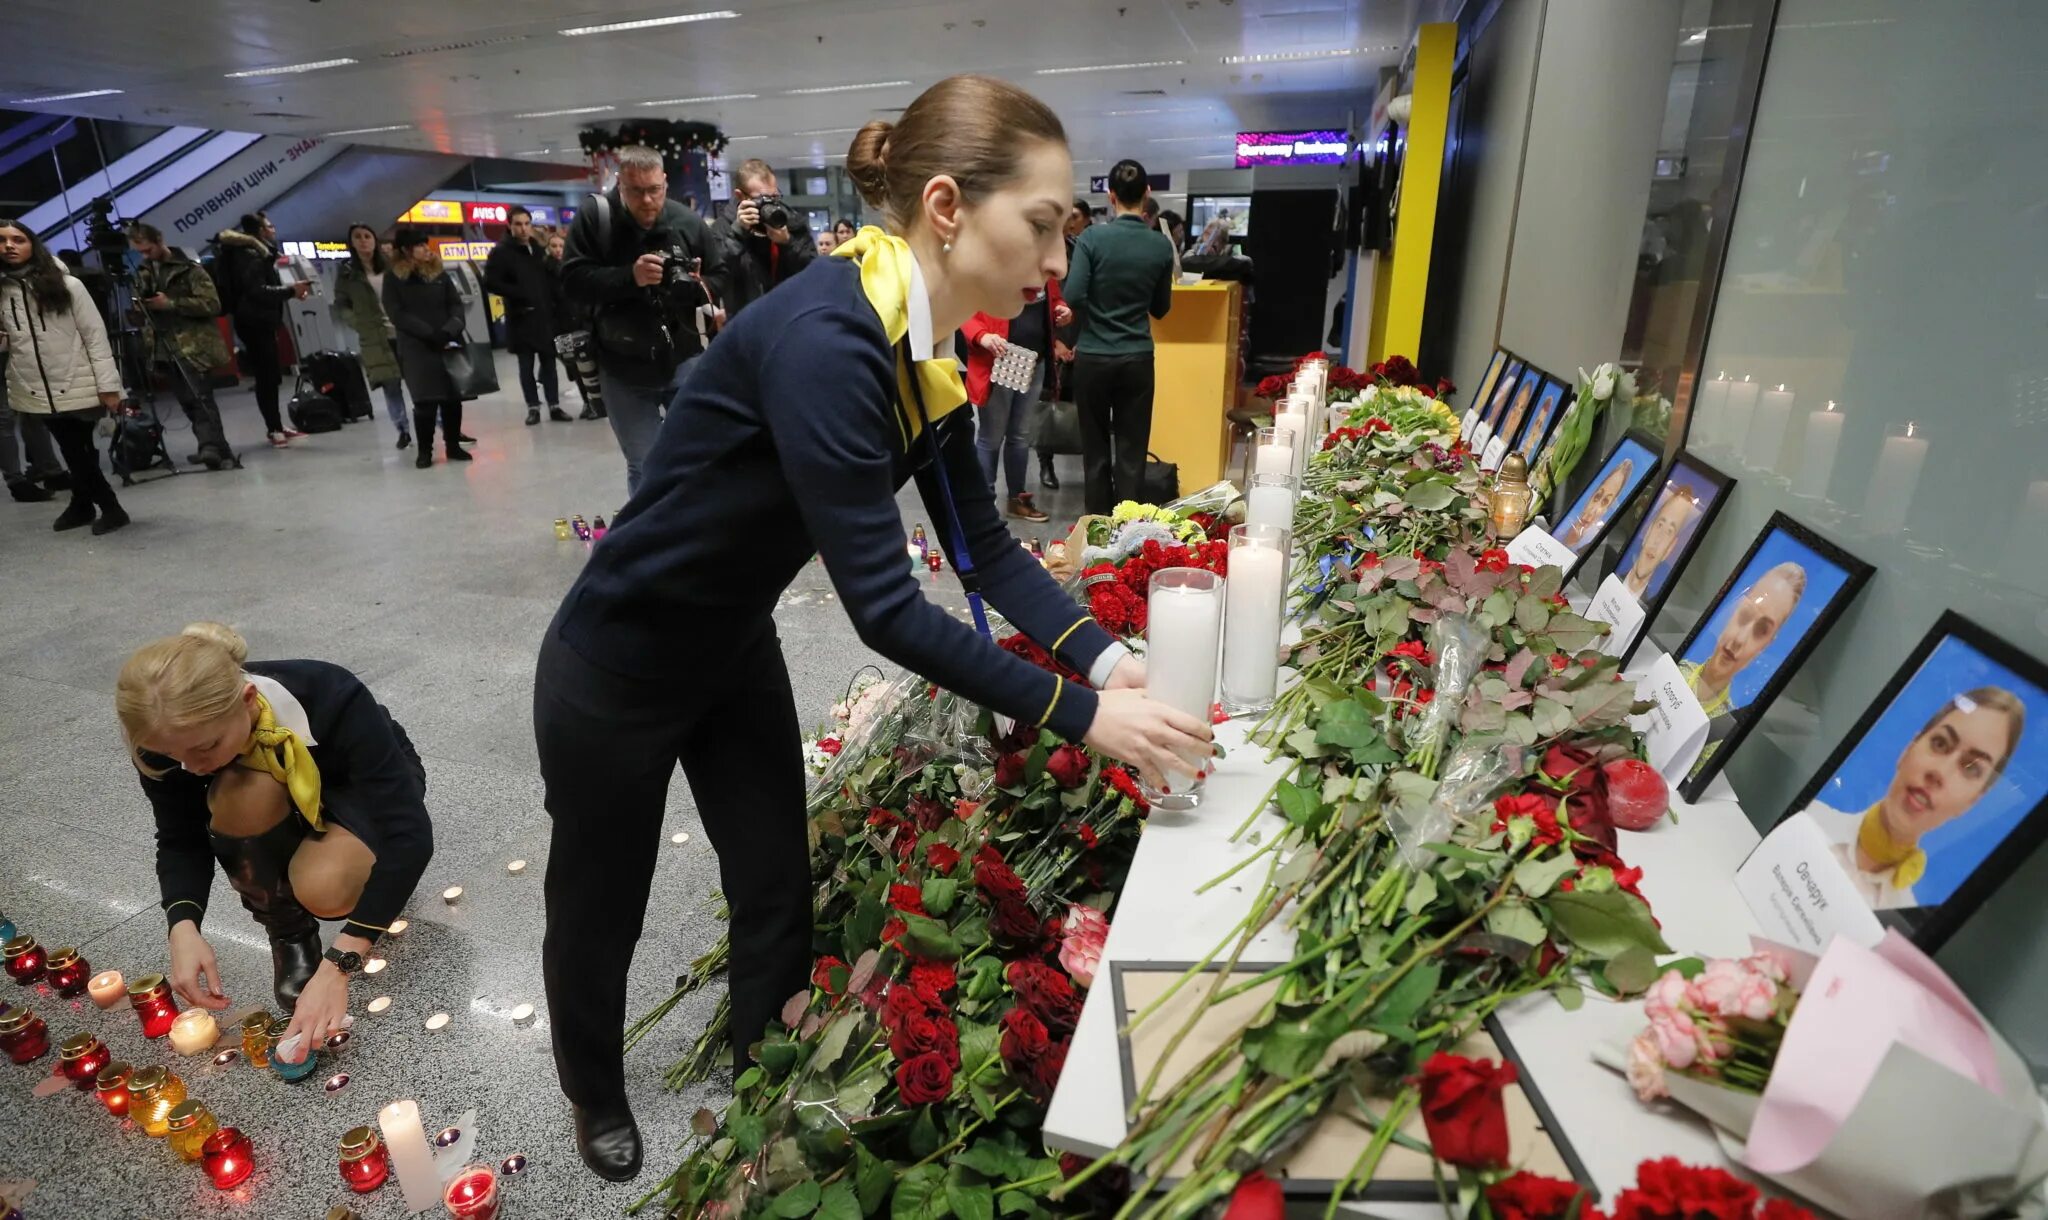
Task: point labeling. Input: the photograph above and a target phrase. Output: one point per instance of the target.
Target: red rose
(1414, 650)
(1463, 1112)
(821, 974)
(1068, 766)
(924, 1080)
(920, 1036)
(1024, 1038)
(1529, 1196)
(1257, 1197)
(1045, 1069)
(996, 880)
(932, 978)
(904, 1002)
(941, 857)
(1014, 922)
(1047, 993)
(831, 745)
(883, 818)
(965, 810)
(1557, 661)
(1585, 798)
(1445, 385)
(907, 898)
(1009, 770)
(927, 813)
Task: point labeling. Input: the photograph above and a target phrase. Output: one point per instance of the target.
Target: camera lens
(774, 213)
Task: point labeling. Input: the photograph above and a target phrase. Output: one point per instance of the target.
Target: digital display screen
(1319, 147)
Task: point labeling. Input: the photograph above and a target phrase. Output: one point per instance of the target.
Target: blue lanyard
(963, 561)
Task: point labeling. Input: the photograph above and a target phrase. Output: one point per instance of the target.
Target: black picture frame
(1723, 484)
(1856, 572)
(1540, 426)
(1591, 546)
(1502, 392)
(1321, 1188)
(1502, 357)
(1930, 927)
(1511, 425)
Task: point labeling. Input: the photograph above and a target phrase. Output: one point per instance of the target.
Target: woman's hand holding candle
(322, 1011)
(1156, 739)
(195, 975)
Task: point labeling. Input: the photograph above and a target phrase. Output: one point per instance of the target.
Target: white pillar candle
(1275, 458)
(1894, 481)
(1710, 412)
(1270, 500)
(1741, 410)
(1297, 423)
(1767, 429)
(194, 1032)
(406, 1140)
(1817, 459)
(1253, 599)
(1184, 624)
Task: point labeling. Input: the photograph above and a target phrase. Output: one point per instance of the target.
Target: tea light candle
(405, 1139)
(375, 966)
(1767, 429)
(398, 927)
(437, 1022)
(1894, 481)
(679, 838)
(452, 895)
(522, 1015)
(195, 1031)
(106, 988)
(473, 1195)
(516, 867)
(1817, 458)
(378, 1005)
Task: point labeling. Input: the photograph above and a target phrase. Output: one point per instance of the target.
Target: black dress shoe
(589, 412)
(28, 493)
(532, 416)
(76, 514)
(609, 1141)
(465, 438)
(558, 415)
(1046, 478)
(110, 520)
(293, 960)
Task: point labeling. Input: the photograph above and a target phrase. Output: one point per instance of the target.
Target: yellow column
(1422, 167)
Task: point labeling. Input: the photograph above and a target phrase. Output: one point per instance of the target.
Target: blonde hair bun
(222, 634)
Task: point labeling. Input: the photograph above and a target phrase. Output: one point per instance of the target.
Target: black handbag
(1057, 428)
(1160, 484)
(471, 369)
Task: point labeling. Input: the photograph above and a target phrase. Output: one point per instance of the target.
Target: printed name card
(1675, 730)
(1535, 547)
(1470, 422)
(1799, 892)
(1496, 450)
(1619, 609)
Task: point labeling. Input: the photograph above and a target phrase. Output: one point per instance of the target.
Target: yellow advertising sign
(433, 212)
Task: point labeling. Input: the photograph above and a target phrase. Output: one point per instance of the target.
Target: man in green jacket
(179, 305)
(1121, 277)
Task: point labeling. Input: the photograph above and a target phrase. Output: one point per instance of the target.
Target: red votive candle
(473, 1195)
(364, 1163)
(112, 1087)
(24, 1036)
(24, 959)
(227, 1157)
(82, 1058)
(151, 996)
(68, 972)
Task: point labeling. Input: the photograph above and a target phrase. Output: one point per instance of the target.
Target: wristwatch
(347, 963)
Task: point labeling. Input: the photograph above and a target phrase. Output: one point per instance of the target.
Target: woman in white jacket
(62, 368)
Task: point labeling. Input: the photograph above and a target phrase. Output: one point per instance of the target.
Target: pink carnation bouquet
(1720, 1021)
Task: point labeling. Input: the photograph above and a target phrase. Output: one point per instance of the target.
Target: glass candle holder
(112, 1088)
(228, 1158)
(290, 1071)
(7, 929)
(562, 529)
(153, 1093)
(256, 1038)
(597, 527)
(24, 1036)
(189, 1125)
(24, 959)
(151, 996)
(82, 1058)
(107, 987)
(1273, 451)
(364, 1163)
(1254, 602)
(473, 1195)
(1270, 499)
(68, 972)
(194, 1032)
(1183, 629)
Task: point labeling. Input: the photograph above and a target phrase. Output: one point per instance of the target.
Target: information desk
(1195, 379)
(1688, 867)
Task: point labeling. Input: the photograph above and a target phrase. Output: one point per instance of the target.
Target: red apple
(1637, 797)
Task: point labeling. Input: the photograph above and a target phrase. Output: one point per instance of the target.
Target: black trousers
(265, 368)
(450, 413)
(1114, 397)
(195, 395)
(73, 431)
(527, 356)
(608, 746)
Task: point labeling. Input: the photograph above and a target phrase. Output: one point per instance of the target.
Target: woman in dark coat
(423, 305)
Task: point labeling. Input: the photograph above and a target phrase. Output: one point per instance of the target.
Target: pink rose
(1081, 939)
(1646, 1068)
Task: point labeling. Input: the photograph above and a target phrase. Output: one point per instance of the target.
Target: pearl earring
(947, 247)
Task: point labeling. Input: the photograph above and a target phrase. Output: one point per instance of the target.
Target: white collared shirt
(290, 713)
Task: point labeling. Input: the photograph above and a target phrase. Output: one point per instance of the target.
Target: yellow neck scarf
(885, 277)
(1905, 861)
(277, 752)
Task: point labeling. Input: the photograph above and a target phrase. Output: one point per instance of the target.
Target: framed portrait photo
(1623, 475)
(1773, 608)
(1504, 389)
(1520, 403)
(1550, 404)
(1941, 789)
(1663, 542)
(1484, 394)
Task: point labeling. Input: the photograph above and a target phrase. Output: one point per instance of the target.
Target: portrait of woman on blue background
(1624, 473)
(1501, 393)
(1539, 423)
(1518, 410)
(1664, 540)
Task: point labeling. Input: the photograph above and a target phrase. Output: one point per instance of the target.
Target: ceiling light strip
(367, 131)
(709, 97)
(63, 97)
(289, 69)
(879, 84)
(613, 27)
(1152, 63)
(552, 114)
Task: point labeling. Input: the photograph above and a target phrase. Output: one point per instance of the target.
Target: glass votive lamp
(153, 1093)
(112, 1088)
(562, 529)
(1269, 500)
(24, 1036)
(68, 972)
(189, 1124)
(256, 1038)
(1183, 631)
(106, 988)
(82, 1058)
(473, 1195)
(290, 1071)
(228, 1158)
(24, 958)
(1511, 499)
(194, 1031)
(1254, 603)
(364, 1162)
(151, 996)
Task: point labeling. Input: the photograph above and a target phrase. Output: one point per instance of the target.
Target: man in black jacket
(760, 255)
(643, 265)
(518, 272)
(251, 295)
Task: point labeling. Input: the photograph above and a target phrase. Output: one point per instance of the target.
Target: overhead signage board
(433, 212)
(1320, 147)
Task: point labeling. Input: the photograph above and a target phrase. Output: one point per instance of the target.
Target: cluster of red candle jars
(68, 972)
(364, 1162)
(24, 1036)
(151, 996)
(227, 1157)
(82, 1058)
(24, 959)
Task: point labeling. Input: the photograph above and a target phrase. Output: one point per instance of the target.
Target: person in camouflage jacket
(179, 304)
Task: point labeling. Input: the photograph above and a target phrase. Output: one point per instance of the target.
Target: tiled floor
(434, 586)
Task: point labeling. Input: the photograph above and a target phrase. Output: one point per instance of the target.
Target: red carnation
(932, 978)
(1665, 1187)
(941, 857)
(1120, 779)
(1463, 1112)
(1024, 1038)
(821, 974)
(1534, 806)
(924, 1080)
(1009, 770)
(907, 898)
(893, 930)
(1068, 766)
(1087, 835)
(1529, 1196)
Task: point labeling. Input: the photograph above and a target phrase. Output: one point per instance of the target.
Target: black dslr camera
(774, 213)
(679, 267)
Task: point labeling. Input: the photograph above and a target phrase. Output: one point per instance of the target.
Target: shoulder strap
(601, 203)
(963, 561)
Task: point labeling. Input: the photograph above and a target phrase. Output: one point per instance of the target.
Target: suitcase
(339, 375)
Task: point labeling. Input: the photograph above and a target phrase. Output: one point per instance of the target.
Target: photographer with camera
(246, 276)
(179, 302)
(766, 241)
(643, 265)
